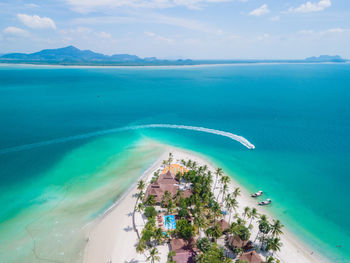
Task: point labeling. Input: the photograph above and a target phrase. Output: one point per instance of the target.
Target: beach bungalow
(235, 242)
(223, 225)
(183, 249)
(251, 257)
(165, 182)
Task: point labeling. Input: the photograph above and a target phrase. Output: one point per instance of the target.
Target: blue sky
(198, 29)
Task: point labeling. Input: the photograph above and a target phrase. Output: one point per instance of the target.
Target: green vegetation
(150, 212)
(214, 254)
(199, 217)
(184, 229)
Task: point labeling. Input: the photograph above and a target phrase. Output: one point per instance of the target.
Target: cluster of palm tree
(205, 209)
(269, 234)
(168, 202)
(151, 236)
(169, 160)
(189, 164)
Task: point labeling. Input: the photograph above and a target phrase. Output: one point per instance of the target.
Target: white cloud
(92, 5)
(158, 37)
(84, 33)
(103, 35)
(311, 7)
(36, 21)
(147, 18)
(337, 30)
(275, 18)
(324, 33)
(32, 5)
(15, 31)
(262, 10)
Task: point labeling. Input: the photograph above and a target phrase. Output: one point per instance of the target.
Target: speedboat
(257, 194)
(266, 202)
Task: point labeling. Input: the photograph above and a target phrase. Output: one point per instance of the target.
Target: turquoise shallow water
(297, 116)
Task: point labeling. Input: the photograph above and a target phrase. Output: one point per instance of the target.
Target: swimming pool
(169, 222)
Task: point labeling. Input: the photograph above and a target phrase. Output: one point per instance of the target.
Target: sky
(172, 29)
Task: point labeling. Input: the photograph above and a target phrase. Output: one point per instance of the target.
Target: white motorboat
(260, 193)
(266, 202)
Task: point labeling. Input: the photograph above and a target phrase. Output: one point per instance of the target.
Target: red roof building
(165, 182)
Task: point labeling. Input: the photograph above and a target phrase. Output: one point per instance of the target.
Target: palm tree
(224, 180)
(218, 174)
(228, 206)
(216, 231)
(158, 235)
(253, 215)
(276, 228)
(139, 208)
(153, 255)
(236, 192)
(234, 229)
(223, 192)
(171, 256)
(216, 210)
(141, 185)
(166, 199)
(199, 221)
(209, 178)
(200, 170)
(269, 260)
(170, 206)
(140, 196)
(234, 204)
(141, 247)
(170, 158)
(274, 244)
(151, 200)
(194, 165)
(246, 212)
(189, 163)
(264, 228)
(205, 168)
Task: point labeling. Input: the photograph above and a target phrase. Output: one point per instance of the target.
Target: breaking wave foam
(232, 136)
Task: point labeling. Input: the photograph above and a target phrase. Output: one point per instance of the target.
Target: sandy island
(113, 238)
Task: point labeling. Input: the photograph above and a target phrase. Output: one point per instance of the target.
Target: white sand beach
(113, 239)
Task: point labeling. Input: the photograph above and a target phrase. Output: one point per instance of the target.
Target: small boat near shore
(266, 202)
(259, 193)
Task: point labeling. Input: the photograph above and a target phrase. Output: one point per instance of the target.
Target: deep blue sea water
(297, 116)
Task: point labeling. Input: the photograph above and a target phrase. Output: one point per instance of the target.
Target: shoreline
(98, 253)
(293, 249)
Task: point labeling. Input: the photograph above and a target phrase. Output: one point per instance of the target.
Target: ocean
(60, 169)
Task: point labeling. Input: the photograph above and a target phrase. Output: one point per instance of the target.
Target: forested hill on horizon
(71, 55)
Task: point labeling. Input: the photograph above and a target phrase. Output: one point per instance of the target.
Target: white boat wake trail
(232, 136)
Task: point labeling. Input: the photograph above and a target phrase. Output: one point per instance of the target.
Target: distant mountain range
(73, 56)
(326, 58)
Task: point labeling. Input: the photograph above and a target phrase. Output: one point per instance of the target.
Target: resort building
(183, 249)
(165, 182)
(251, 257)
(236, 242)
(223, 225)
